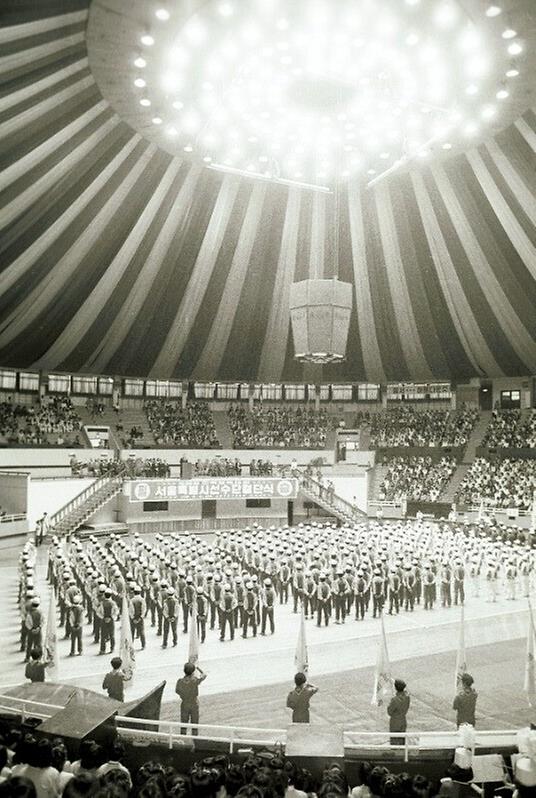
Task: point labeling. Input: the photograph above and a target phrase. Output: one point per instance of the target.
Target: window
(204, 390)
(368, 392)
(155, 507)
(8, 380)
(59, 383)
(227, 390)
(415, 391)
(84, 384)
(133, 387)
(208, 508)
(440, 390)
(258, 503)
(324, 393)
(272, 391)
(106, 386)
(511, 400)
(341, 393)
(395, 392)
(28, 381)
(163, 389)
(295, 393)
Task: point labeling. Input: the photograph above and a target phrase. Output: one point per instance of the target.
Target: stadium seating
(409, 426)
(53, 422)
(277, 427)
(503, 483)
(416, 478)
(172, 425)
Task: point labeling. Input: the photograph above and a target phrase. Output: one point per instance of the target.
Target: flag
(530, 681)
(301, 657)
(383, 681)
(50, 646)
(193, 643)
(126, 646)
(461, 660)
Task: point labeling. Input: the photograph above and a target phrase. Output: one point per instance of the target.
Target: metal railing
(169, 732)
(329, 499)
(82, 497)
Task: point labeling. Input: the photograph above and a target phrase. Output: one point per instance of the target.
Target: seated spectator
(17, 787)
(500, 483)
(279, 426)
(38, 768)
(410, 426)
(192, 426)
(416, 478)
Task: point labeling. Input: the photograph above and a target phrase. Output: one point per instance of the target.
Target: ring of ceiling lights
(313, 90)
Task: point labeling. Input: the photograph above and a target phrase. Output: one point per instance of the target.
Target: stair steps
(223, 428)
(338, 507)
(80, 509)
(452, 488)
(477, 436)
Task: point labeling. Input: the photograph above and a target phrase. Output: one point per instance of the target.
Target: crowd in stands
(410, 426)
(501, 483)
(34, 767)
(282, 426)
(54, 422)
(108, 467)
(172, 425)
(509, 428)
(416, 478)
(218, 467)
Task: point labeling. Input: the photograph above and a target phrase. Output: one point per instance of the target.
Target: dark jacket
(465, 705)
(397, 711)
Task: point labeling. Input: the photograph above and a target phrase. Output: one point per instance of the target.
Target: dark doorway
(290, 512)
(486, 396)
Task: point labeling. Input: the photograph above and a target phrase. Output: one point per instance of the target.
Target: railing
(337, 503)
(9, 519)
(168, 732)
(82, 497)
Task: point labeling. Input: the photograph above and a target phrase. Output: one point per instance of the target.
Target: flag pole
(193, 642)
(461, 659)
(51, 641)
(530, 680)
(126, 646)
(383, 680)
(301, 656)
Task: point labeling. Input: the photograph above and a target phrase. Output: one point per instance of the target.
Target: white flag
(461, 660)
(126, 646)
(383, 681)
(50, 646)
(530, 681)
(301, 657)
(193, 643)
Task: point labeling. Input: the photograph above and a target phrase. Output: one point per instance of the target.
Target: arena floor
(248, 679)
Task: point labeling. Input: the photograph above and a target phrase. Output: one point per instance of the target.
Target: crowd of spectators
(501, 483)
(282, 426)
(409, 426)
(52, 422)
(218, 467)
(509, 428)
(416, 478)
(172, 425)
(34, 768)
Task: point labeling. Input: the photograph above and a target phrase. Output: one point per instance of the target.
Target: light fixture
(140, 62)
(493, 11)
(188, 148)
(509, 33)
(177, 105)
(447, 145)
(156, 120)
(515, 48)
(502, 94)
(147, 40)
(145, 101)
(162, 14)
(513, 72)
(488, 112)
(140, 83)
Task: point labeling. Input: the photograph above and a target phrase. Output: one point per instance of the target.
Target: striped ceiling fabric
(117, 257)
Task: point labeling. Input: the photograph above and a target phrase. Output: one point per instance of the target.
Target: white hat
(525, 771)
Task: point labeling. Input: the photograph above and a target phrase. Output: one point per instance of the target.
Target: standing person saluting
(298, 699)
(397, 710)
(465, 701)
(187, 688)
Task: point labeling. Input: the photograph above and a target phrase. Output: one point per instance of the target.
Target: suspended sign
(146, 490)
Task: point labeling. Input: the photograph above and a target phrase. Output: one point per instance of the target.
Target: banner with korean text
(173, 490)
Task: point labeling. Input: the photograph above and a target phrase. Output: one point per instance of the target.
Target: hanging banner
(147, 490)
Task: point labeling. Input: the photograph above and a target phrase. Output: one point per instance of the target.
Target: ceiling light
(512, 73)
(188, 148)
(147, 40)
(177, 104)
(156, 120)
(493, 11)
(502, 94)
(488, 112)
(145, 102)
(140, 83)
(207, 159)
(509, 33)
(162, 14)
(447, 145)
(140, 62)
(515, 48)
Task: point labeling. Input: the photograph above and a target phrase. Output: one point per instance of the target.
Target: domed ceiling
(169, 169)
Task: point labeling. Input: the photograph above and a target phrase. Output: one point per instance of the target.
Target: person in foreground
(298, 699)
(465, 701)
(397, 710)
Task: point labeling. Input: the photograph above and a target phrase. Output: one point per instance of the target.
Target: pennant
(193, 643)
(126, 646)
(383, 680)
(530, 680)
(461, 659)
(301, 657)
(50, 646)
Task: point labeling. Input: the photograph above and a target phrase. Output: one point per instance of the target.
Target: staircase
(452, 488)
(223, 429)
(476, 437)
(378, 474)
(337, 506)
(135, 417)
(72, 515)
(108, 418)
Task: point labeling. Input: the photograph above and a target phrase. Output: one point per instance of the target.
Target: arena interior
(267, 398)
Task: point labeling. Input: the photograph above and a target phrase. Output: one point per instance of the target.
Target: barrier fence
(170, 732)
